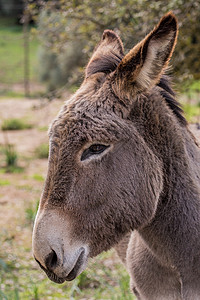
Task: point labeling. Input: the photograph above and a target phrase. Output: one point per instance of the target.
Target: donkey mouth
(52, 276)
(72, 274)
(75, 271)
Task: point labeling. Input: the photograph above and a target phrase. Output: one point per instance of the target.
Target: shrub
(59, 69)
(15, 124)
(11, 155)
(42, 151)
(58, 66)
(61, 23)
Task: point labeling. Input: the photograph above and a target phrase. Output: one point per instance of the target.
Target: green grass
(12, 53)
(38, 177)
(15, 124)
(43, 128)
(190, 88)
(42, 151)
(10, 155)
(7, 93)
(97, 282)
(9, 158)
(31, 212)
(12, 169)
(192, 112)
(4, 182)
(195, 85)
(105, 278)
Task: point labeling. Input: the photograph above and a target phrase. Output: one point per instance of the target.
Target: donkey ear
(107, 55)
(142, 67)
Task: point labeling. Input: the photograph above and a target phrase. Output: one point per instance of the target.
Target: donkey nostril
(51, 261)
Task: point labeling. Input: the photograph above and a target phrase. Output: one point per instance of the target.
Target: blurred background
(44, 46)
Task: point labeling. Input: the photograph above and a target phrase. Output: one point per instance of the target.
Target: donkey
(123, 166)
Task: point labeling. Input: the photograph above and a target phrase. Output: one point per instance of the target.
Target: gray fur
(143, 192)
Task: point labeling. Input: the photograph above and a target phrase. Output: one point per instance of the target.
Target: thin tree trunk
(26, 54)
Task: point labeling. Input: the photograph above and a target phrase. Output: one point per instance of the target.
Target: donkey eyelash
(94, 149)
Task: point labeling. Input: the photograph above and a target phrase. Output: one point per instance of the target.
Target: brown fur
(141, 191)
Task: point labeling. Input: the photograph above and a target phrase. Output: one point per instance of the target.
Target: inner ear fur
(143, 66)
(107, 55)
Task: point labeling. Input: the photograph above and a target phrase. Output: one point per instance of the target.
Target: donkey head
(103, 180)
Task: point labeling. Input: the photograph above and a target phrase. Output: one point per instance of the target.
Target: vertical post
(26, 52)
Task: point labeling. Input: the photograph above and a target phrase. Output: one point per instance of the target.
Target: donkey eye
(93, 150)
(97, 148)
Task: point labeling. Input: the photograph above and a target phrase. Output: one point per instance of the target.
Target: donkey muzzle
(54, 267)
(61, 257)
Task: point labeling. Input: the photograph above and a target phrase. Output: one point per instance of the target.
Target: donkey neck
(160, 129)
(176, 222)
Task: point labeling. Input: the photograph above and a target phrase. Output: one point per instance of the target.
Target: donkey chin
(59, 257)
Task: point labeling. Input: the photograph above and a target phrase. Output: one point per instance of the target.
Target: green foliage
(76, 27)
(192, 112)
(195, 86)
(3, 265)
(15, 124)
(42, 151)
(3, 296)
(11, 155)
(59, 68)
(49, 70)
(35, 293)
(10, 158)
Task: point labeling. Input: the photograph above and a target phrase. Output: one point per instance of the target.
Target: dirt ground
(20, 190)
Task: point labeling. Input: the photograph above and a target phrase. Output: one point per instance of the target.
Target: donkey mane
(169, 96)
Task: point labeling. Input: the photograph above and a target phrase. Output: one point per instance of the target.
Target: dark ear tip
(109, 34)
(169, 20)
